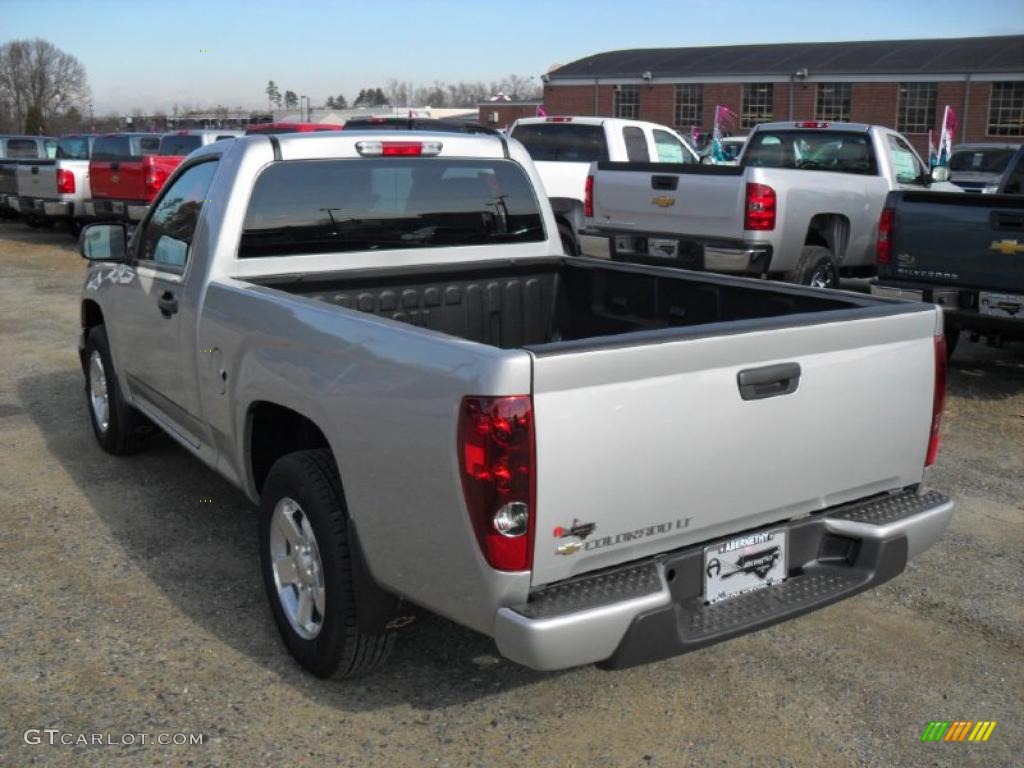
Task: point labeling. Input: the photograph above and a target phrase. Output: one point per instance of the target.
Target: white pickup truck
(562, 149)
(377, 337)
(802, 204)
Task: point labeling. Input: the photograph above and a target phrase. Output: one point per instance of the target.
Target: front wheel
(816, 268)
(118, 427)
(307, 564)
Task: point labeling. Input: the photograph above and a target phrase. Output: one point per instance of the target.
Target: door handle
(1006, 220)
(769, 381)
(664, 182)
(168, 304)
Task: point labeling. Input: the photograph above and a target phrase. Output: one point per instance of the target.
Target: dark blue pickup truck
(963, 252)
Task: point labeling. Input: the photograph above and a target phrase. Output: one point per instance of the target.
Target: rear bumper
(121, 210)
(961, 306)
(694, 253)
(655, 609)
(59, 209)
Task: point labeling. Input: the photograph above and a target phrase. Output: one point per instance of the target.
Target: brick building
(501, 114)
(903, 84)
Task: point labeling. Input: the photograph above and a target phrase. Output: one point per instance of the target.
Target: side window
(904, 162)
(169, 230)
(51, 148)
(636, 145)
(1015, 181)
(22, 149)
(669, 148)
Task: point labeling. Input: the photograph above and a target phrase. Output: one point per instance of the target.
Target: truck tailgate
(118, 179)
(963, 240)
(653, 444)
(38, 179)
(702, 201)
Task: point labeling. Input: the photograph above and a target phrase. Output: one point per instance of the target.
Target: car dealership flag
(725, 121)
(541, 112)
(949, 126)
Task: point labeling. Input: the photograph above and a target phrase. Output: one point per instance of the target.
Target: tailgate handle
(664, 182)
(769, 381)
(35, 170)
(115, 166)
(1005, 220)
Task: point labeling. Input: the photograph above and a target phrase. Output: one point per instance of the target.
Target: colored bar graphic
(958, 730)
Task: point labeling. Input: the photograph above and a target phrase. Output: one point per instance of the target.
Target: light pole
(307, 117)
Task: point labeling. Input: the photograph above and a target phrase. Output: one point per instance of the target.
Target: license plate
(744, 564)
(1001, 304)
(665, 249)
(117, 207)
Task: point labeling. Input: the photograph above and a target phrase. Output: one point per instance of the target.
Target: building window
(1006, 109)
(627, 101)
(757, 104)
(833, 105)
(689, 105)
(916, 110)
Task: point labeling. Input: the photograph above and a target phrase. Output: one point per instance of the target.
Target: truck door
(157, 335)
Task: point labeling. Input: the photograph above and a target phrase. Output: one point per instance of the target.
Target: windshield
(563, 142)
(993, 160)
(176, 144)
(73, 148)
(812, 150)
(329, 206)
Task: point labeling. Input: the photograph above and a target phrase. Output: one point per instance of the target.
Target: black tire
(570, 246)
(74, 227)
(339, 649)
(952, 334)
(125, 427)
(817, 267)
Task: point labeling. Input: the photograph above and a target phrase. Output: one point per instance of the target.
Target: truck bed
(565, 302)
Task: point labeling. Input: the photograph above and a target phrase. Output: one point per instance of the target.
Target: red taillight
(155, 178)
(557, 119)
(938, 399)
(588, 197)
(402, 148)
(496, 461)
(760, 208)
(65, 182)
(883, 245)
(812, 124)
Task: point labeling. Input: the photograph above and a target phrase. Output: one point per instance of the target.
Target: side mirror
(940, 173)
(104, 242)
(706, 160)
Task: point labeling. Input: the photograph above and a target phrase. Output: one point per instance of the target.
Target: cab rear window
(112, 148)
(179, 145)
(329, 206)
(563, 142)
(812, 151)
(73, 148)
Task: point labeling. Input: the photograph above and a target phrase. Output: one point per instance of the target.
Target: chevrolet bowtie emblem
(663, 202)
(1006, 246)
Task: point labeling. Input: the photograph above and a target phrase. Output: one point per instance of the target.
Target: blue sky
(146, 53)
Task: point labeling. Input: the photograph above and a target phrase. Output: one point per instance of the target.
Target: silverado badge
(664, 201)
(1009, 247)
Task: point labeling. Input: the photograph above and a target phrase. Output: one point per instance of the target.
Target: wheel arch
(273, 430)
(829, 230)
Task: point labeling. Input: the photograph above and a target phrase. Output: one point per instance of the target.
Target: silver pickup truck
(57, 189)
(802, 204)
(376, 336)
(15, 150)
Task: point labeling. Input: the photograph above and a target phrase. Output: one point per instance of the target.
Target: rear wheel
(118, 427)
(816, 268)
(307, 564)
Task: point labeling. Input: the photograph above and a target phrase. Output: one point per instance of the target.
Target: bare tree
(38, 77)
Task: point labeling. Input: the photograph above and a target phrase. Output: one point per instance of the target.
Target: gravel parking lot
(132, 606)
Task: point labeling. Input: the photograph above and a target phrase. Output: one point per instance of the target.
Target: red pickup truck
(291, 128)
(174, 147)
(117, 175)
